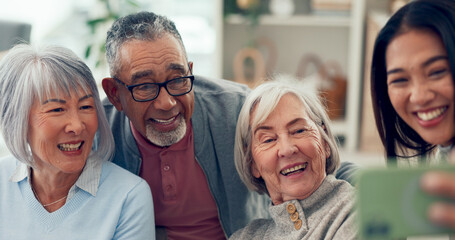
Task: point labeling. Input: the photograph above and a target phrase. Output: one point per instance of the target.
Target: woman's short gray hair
(29, 73)
(263, 100)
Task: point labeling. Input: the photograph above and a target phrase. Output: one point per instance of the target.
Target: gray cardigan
(326, 214)
(216, 108)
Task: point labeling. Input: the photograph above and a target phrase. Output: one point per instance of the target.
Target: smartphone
(391, 204)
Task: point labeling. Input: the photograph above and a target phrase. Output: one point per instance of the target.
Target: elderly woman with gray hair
(54, 186)
(284, 147)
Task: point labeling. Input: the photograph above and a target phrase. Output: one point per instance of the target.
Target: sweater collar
(281, 214)
(87, 181)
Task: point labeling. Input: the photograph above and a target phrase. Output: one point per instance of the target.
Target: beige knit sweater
(326, 214)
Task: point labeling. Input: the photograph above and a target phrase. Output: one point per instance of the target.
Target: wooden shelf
(336, 35)
(310, 20)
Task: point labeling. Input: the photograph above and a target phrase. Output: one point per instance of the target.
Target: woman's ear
(254, 170)
(327, 149)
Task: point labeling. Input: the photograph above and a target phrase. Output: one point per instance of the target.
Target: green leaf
(96, 21)
(133, 3)
(88, 50)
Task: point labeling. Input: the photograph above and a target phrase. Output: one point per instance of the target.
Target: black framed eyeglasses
(144, 92)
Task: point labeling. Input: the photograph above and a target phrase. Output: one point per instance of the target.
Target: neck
(49, 188)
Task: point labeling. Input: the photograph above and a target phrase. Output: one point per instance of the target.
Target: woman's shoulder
(120, 178)
(7, 164)
(7, 161)
(338, 185)
(256, 228)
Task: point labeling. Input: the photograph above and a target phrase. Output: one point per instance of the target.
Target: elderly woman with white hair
(54, 186)
(284, 147)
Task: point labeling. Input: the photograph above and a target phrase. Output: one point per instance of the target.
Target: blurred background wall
(324, 42)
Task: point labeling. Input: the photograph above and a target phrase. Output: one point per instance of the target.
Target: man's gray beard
(164, 139)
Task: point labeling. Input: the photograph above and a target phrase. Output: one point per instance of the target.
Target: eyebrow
(425, 64)
(64, 101)
(171, 67)
(139, 75)
(178, 67)
(85, 97)
(54, 100)
(287, 125)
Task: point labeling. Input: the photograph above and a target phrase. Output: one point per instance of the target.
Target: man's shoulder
(111, 112)
(219, 93)
(205, 85)
(107, 105)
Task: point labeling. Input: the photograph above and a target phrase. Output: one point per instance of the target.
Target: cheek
(396, 98)
(262, 162)
(187, 102)
(137, 112)
(92, 123)
(315, 150)
(41, 140)
(40, 128)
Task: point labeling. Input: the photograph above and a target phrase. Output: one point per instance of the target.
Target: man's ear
(111, 90)
(190, 64)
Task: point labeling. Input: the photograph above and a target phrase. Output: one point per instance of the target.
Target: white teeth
(164, 121)
(293, 169)
(426, 116)
(69, 147)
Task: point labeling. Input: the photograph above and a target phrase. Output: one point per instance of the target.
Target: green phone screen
(392, 205)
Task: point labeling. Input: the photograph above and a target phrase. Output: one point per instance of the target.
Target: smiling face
(163, 120)
(420, 85)
(289, 152)
(61, 132)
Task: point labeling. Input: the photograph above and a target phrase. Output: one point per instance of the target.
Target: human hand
(441, 184)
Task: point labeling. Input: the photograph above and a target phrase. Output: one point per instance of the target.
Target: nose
(421, 93)
(286, 147)
(75, 123)
(164, 101)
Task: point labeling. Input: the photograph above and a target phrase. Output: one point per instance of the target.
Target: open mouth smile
(67, 147)
(295, 169)
(162, 121)
(430, 115)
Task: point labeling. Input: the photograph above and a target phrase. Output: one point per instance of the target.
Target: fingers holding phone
(440, 184)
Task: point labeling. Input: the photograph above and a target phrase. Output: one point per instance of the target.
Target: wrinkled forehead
(263, 107)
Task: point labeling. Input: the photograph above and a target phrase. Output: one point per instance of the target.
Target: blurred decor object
(249, 67)
(328, 80)
(12, 33)
(335, 95)
(282, 8)
(269, 52)
(394, 5)
(104, 13)
(331, 5)
(247, 4)
(248, 10)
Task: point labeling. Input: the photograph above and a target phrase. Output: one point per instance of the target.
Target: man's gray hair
(28, 74)
(144, 26)
(263, 100)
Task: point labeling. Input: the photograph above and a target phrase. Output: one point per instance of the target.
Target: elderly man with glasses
(176, 131)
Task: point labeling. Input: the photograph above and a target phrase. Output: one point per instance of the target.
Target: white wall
(64, 23)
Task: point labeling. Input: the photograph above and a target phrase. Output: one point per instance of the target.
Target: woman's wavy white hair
(263, 101)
